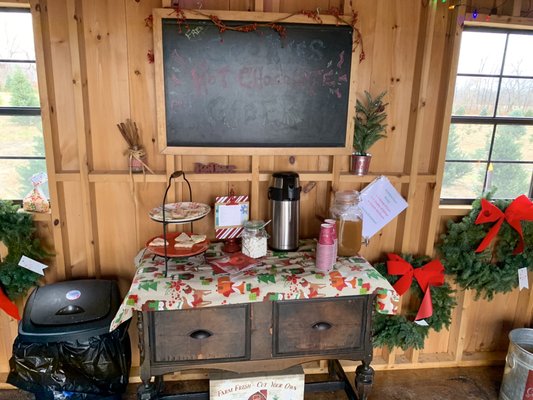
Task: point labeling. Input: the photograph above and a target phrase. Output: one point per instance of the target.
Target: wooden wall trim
(45, 78)
(254, 190)
(17, 3)
(79, 79)
(261, 176)
(499, 21)
(416, 122)
(444, 112)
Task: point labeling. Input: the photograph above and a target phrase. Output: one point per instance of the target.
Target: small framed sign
(278, 385)
(230, 214)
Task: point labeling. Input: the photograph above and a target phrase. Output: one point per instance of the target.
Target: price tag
(39, 178)
(523, 282)
(32, 265)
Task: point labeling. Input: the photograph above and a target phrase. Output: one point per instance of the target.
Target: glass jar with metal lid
(254, 239)
(349, 222)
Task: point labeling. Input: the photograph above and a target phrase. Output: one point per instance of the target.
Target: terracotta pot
(359, 164)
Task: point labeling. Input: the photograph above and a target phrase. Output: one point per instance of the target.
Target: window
(21, 137)
(490, 144)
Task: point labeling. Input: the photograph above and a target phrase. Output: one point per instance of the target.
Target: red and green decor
(17, 232)
(432, 297)
(485, 249)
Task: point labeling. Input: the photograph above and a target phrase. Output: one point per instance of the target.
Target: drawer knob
(200, 334)
(321, 326)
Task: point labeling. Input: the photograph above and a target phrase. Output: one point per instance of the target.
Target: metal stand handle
(175, 174)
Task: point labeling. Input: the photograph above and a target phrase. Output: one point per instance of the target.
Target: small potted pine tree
(369, 128)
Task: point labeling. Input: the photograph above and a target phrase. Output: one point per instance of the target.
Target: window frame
(23, 110)
(494, 121)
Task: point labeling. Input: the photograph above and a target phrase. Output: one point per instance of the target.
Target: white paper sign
(380, 203)
(230, 215)
(523, 282)
(32, 265)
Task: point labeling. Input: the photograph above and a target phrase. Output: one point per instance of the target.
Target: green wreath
(494, 270)
(400, 330)
(17, 234)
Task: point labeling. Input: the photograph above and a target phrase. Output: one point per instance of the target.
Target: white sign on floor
(280, 385)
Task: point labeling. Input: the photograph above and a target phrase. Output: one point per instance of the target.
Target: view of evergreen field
(481, 70)
(20, 136)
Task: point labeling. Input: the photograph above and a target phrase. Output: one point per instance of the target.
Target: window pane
(463, 180)
(511, 180)
(16, 36)
(474, 96)
(18, 85)
(518, 60)
(513, 143)
(516, 98)
(469, 142)
(15, 178)
(481, 53)
(21, 136)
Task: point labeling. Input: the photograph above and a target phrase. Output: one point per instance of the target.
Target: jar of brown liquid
(346, 212)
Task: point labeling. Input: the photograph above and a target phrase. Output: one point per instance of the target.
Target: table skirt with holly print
(215, 278)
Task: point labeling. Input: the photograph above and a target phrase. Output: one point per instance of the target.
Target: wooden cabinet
(264, 336)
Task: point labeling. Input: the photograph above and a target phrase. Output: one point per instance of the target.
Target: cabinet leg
(364, 378)
(148, 390)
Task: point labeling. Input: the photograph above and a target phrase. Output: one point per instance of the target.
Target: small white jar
(254, 239)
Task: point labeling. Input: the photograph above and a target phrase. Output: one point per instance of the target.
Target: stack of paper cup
(325, 248)
(335, 239)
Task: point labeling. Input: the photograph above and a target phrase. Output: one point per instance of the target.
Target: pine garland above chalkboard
(275, 25)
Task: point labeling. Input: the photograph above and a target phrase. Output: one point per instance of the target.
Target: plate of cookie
(179, 244)
(186, 211)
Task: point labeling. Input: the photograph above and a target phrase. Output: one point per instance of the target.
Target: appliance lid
(71, 302)
(285, 186)
(282, 180)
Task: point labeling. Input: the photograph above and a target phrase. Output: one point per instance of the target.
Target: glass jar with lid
(254, 239)
(349, 222)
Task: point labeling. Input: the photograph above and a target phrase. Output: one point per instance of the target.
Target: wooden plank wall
(94, 73)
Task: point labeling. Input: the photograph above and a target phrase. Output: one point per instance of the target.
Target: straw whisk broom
(136, 150)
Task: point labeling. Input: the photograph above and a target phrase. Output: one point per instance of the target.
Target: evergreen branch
(17, 232)
(369, 124)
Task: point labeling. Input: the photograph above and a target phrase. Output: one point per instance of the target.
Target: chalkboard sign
(254, 90)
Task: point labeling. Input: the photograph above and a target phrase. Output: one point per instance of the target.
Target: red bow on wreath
(8, 306)
(431, 274)
(520, 209)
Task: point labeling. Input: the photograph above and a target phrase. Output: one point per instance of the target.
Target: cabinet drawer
(319, 326)
(213, 333)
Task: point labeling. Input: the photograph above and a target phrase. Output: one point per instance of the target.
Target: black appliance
(64, 347)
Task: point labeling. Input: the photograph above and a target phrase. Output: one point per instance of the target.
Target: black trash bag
(85, 369)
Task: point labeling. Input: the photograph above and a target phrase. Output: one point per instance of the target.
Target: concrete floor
(481, 383)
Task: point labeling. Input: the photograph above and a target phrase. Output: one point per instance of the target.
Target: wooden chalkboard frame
(164, 148)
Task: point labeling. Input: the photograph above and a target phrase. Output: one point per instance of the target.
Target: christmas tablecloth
(215, 278)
